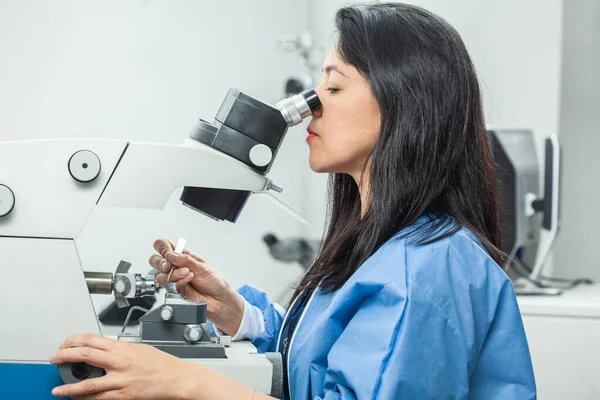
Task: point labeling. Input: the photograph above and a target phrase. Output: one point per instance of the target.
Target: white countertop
(582, 301)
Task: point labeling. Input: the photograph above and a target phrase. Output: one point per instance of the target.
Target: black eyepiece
(312, 99)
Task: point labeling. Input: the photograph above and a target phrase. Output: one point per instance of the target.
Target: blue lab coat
(438, 321)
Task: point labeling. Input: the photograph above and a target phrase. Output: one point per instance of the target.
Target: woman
(405, 299)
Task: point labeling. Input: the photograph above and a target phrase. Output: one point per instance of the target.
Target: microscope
(48, 189)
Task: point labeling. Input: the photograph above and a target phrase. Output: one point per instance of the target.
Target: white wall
(146, 71)
(580, 135)
(516, 48)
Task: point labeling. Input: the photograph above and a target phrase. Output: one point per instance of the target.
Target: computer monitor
(518, 174)
(524, 211)
(550, 204)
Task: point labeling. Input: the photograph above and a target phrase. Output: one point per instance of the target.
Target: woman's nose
(317, 113)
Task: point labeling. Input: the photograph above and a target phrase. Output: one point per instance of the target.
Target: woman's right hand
(199, 281)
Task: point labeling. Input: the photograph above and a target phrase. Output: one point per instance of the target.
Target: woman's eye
(332, 90)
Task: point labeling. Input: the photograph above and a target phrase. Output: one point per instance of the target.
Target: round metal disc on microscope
(120, 286)
(84, 166)
(195, 334)
(192, 333)
(260, 155)
(7, 200)
(167, 313)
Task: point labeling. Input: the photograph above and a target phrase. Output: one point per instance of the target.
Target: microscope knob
(120, 287)
(7, 200)
(167, 313)
(192, 333)
(261, 155)
(84, 166)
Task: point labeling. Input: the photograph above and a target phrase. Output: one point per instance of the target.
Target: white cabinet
(564, 338)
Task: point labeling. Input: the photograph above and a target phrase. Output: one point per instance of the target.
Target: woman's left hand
(132, 370)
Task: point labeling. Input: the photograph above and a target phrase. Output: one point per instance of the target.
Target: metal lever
(274, 187)
(120, 284)
(123, 284)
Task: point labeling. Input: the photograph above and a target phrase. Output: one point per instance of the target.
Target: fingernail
(52, 360)
(57, 392)
(164, 267)
(185, 271)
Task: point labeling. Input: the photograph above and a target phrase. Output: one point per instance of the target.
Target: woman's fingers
(199, 268)
(163, 245)
(180, 260)
(185, 280)
(89, 340)
(161, 279)
(177, 276)
(95, 357)
(89, 387)
(159, 263)
(111, 395)
(162, 265)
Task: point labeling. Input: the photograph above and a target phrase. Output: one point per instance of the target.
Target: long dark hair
(432, 157)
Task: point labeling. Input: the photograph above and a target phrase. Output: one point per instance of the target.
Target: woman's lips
(311, 134)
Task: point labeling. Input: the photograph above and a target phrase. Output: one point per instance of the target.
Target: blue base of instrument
(28, 381)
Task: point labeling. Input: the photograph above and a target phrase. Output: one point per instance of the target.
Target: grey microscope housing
(250, 131)
(180, 328)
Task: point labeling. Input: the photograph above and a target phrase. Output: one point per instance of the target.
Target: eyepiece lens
(312, 99)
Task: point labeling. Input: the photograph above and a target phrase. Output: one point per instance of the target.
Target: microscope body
(48, 190)
(46, 293)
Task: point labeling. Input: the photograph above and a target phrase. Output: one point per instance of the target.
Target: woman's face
(345, 130)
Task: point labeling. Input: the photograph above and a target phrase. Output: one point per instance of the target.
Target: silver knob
(84, 166)
(120, 287)
(167, 313)
(145, 285)
(260, 155)
(192, 333)
(7, 200)
(274, 187)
